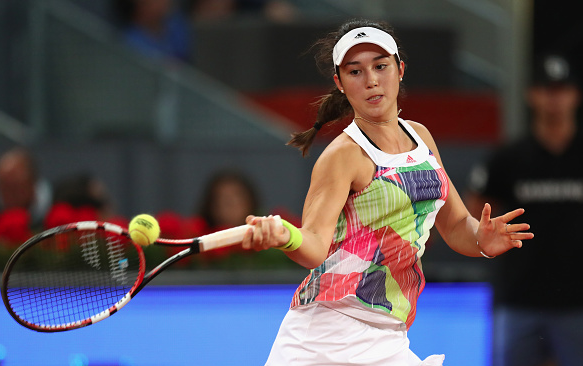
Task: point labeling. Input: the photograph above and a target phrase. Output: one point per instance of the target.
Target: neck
(378, 122)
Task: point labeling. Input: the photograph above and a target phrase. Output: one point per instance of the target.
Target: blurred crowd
(29, 204)
(163, 28)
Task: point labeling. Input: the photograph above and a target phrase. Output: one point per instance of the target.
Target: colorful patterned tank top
(381, 233)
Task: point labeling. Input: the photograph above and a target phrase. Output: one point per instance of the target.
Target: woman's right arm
(332, 179)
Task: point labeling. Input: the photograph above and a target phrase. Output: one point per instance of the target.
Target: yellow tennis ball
(144, 229)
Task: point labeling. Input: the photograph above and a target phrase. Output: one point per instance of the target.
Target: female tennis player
(375, 192)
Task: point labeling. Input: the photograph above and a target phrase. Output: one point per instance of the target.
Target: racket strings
(71, 277)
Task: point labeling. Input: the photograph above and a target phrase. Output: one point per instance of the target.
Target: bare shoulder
(344, 159)
(341, 149)
(420, 129)
(424, 133)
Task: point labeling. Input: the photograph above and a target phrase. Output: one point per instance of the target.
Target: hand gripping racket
(78, 274)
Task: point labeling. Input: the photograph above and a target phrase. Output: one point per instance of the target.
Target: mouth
(374, 98)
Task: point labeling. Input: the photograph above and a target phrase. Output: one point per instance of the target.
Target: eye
(354, 72)
(381, 66)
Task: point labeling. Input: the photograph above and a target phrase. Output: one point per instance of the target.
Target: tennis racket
(78, 274)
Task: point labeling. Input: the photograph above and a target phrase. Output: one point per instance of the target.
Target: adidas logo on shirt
(410, 159)
(360, 35)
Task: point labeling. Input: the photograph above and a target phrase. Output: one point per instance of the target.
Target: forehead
(364, 52)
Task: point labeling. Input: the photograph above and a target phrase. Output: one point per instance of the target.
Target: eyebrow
(374, 59)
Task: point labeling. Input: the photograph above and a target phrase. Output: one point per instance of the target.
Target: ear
(401, 69)
(338, 82)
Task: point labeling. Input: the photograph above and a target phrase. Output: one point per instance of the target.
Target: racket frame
(141, 281)
(204, 243)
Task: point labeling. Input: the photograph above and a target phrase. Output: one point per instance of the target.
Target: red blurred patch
(15, 227)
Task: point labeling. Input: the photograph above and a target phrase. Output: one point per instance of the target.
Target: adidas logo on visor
(360, 35)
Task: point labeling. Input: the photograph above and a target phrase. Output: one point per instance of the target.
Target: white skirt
(317, 335)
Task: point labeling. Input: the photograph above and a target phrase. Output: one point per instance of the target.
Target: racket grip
(228, 237)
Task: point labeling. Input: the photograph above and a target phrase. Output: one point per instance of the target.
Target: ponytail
(332, 107)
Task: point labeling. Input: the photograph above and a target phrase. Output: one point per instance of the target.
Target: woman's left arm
(490, 236)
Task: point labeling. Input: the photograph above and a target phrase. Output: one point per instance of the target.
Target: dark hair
(77, 191)
(333, 106)
(209, 193)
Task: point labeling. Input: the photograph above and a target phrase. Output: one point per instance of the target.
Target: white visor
(363, 35)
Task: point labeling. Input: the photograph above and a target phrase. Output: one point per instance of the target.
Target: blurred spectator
(226, 200)
(213, 9)
(155, 28)
(280, 11)
(24, 196)
(538, 309)
(82, 197)
(229, 197)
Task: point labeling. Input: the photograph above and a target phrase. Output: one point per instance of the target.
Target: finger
(258, 234)
(514, 228)
(247, 238)
(521, 236)
(517, 243)
(275, 230)
(249, 219)
(267, 233)
(509, 216)
(486, 212)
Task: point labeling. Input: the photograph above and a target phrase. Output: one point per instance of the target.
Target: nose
(371, 81)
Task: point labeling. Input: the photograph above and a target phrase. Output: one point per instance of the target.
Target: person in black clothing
(538, 301)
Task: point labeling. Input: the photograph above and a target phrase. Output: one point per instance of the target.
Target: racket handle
(228, 237)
